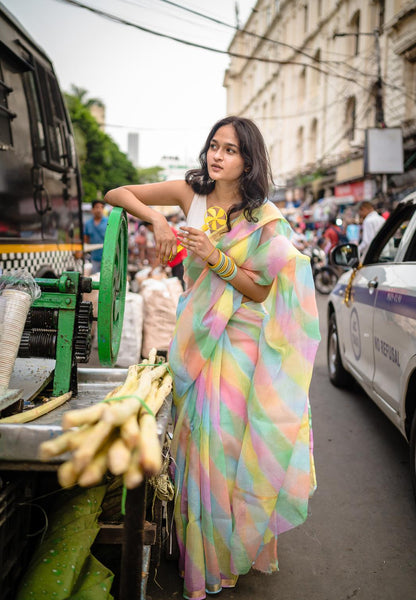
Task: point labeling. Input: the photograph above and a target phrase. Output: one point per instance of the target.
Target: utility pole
(379, 90)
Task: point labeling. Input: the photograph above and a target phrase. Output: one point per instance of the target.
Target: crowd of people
(358, 226)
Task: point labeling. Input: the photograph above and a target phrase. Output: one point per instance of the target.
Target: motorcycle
(325, 276)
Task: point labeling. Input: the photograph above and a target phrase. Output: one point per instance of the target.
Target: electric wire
(123, 21)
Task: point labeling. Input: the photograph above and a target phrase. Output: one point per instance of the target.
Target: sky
(169, 93)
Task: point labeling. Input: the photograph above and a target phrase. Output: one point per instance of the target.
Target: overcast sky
(170, 93)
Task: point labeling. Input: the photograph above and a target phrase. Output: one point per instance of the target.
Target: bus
(40, 183)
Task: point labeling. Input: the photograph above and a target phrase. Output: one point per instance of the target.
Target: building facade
(315, 75)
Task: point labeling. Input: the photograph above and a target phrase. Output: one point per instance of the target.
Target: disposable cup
(14, 312)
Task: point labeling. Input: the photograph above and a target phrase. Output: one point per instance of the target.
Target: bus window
(54, 117)
(5, 114)
(38, 132)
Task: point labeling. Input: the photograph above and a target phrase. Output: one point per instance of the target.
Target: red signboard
(354, 189)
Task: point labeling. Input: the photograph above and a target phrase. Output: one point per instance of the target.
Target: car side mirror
(345, 255)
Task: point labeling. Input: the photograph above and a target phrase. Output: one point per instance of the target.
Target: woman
(242, 358)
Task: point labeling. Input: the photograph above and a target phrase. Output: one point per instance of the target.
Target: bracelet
(225, 267)
(207, 257)
(219, 264)
(232, 274)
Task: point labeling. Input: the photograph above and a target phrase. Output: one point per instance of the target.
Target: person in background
(371, 222)
(94, 233)
(241, 357)
(298, 238)
(332, 234)
(176, 263)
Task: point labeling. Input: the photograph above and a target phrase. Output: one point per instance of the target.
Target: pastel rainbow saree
(242, 443)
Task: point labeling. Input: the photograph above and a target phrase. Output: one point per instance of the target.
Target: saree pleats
(243, 439)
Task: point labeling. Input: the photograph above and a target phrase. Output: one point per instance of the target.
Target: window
(54, 118)
(302, 86)
(315, 72)
(350, 118)
(5, 114)
(355, 29)
(389, 250)
(38, 132)
(387, 242)
(299, 145)
(410, 84)
(313, 141)
(319, 9)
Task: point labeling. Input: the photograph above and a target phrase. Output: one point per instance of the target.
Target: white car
(372, 321)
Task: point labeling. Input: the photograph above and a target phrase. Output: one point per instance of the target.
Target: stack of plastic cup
(15, 311)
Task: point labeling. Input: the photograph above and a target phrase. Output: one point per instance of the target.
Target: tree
(103, 165)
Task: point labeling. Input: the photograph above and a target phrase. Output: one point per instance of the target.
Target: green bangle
(231, 273)
(219, 264)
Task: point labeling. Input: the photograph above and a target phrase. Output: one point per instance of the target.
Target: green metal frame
(62, 294)
(112, 286)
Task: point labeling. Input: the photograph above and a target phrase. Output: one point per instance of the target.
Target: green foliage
(103, 165)
(149, 175)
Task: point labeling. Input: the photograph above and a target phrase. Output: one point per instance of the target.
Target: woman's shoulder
(269, 211)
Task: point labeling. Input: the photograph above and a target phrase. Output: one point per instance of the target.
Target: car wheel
(325, 280)
(413, 453)
(338, 376)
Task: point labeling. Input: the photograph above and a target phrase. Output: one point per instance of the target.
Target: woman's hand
(165, 240)
(196, 241)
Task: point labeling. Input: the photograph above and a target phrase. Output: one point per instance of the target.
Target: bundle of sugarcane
(118, 434)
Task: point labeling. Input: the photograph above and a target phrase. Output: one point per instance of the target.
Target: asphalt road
(360, 538)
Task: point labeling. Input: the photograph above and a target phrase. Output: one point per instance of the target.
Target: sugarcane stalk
(118, 457)
(130, 432)
(82, 416)
(96, 437)
(38, 411)
(150, 450)
(96, 468)
(67, 474)
(134, 475)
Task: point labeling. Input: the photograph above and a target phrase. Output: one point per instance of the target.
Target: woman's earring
(209, 180)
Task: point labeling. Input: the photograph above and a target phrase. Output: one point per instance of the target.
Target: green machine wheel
(113, 282)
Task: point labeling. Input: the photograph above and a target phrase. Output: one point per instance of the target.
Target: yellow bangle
(229, 271)
(215, 265)
(207, 257)
(225, 267)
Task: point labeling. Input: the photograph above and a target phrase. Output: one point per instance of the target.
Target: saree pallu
(242, 443)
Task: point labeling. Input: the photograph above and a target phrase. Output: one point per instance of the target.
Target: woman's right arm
(138, 200)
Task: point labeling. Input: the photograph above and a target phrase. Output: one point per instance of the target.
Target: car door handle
(373, 283)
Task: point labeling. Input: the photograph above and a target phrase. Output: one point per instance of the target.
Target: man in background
(94, 232)
(371, 222)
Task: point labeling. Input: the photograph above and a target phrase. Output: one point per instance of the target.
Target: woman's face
(224, 160)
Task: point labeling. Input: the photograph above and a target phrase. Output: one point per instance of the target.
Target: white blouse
(197, 210)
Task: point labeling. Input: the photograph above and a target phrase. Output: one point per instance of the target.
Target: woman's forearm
(132, 204)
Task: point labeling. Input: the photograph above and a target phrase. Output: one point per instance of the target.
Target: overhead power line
(315, 67)
(123, 21)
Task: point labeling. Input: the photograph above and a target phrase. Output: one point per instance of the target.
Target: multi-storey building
(315, 75)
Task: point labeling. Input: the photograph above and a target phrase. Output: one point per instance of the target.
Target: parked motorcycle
(325, 276)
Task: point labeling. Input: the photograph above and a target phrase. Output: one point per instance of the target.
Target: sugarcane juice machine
(59, 323)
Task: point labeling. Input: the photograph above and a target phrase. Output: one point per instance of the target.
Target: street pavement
(359, 541)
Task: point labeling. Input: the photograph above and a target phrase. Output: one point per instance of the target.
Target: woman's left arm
(196, 241)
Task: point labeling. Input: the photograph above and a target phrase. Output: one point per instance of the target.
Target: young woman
(242, 358)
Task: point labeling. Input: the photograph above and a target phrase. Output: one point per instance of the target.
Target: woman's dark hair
(256, 178)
